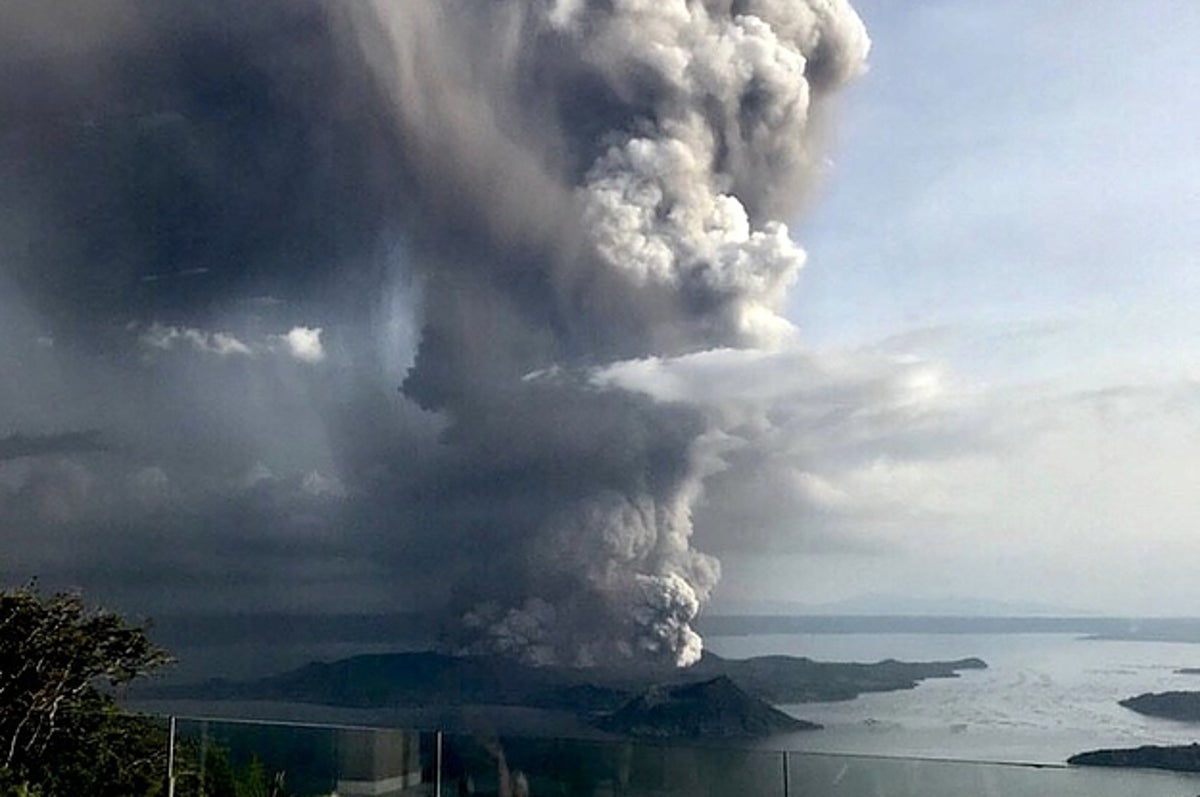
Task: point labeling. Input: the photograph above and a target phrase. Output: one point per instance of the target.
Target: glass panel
(386, 762)
(815, 775)
(244, 758)
(226, 758)
(483, 764)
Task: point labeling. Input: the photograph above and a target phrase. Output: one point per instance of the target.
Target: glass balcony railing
(217, 757)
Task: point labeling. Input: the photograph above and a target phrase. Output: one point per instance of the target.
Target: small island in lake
(709, 709)
(1183, 706)
(1181, 758)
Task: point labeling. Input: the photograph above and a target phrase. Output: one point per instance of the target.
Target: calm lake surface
(1043, 697)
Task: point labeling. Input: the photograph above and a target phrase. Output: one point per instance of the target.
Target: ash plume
(489, 204)
(592, 182)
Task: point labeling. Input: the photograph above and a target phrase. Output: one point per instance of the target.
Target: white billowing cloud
(301, 343)
(845, 398)
(693, 203)
(820, 448)
(165, 338)
(219, 343)
(858, 453)
(304, 343)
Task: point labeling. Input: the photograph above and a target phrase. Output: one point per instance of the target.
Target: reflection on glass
(224, 758)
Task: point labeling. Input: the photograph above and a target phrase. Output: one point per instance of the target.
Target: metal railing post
(787, 786)
(171, 759)
(437, 778)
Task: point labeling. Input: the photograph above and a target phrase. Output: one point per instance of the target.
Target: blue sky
(1015, 167)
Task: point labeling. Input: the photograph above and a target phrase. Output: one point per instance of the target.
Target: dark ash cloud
(17, 446)
(480, 204)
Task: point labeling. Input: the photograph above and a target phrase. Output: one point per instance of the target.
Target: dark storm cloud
(233, 143)
(208, 178)
(16, 446)
(479, 203)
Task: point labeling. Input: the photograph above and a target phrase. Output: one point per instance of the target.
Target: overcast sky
(219, 256)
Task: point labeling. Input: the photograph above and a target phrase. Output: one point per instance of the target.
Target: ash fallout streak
(576, 185)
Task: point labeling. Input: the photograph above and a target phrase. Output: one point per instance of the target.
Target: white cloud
(301, 343)
(166, 338)
(824, 449)
(219, 343)
(1028, 489)
(304, 343)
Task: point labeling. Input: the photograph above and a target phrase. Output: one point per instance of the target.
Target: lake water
(1043, 697)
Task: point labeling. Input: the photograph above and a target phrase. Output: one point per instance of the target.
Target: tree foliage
(61, 731)
(62, 734)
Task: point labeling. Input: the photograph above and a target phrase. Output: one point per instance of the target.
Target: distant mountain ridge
(880, 604)
(1172, 629)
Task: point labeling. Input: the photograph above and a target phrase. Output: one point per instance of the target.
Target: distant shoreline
(1148, 629)
(274, 628)
(1171, 758)
(241, 645)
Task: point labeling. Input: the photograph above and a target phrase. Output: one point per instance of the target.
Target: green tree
(211, 774)
(61, 732)
(254, 781)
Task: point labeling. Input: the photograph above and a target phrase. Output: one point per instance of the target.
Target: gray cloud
(16, 446)
(499, 198)
(233, 144)
(821, 451)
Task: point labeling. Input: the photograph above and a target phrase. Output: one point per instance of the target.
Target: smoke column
(586, 183)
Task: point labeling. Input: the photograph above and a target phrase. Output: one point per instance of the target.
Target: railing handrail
(671, 743)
